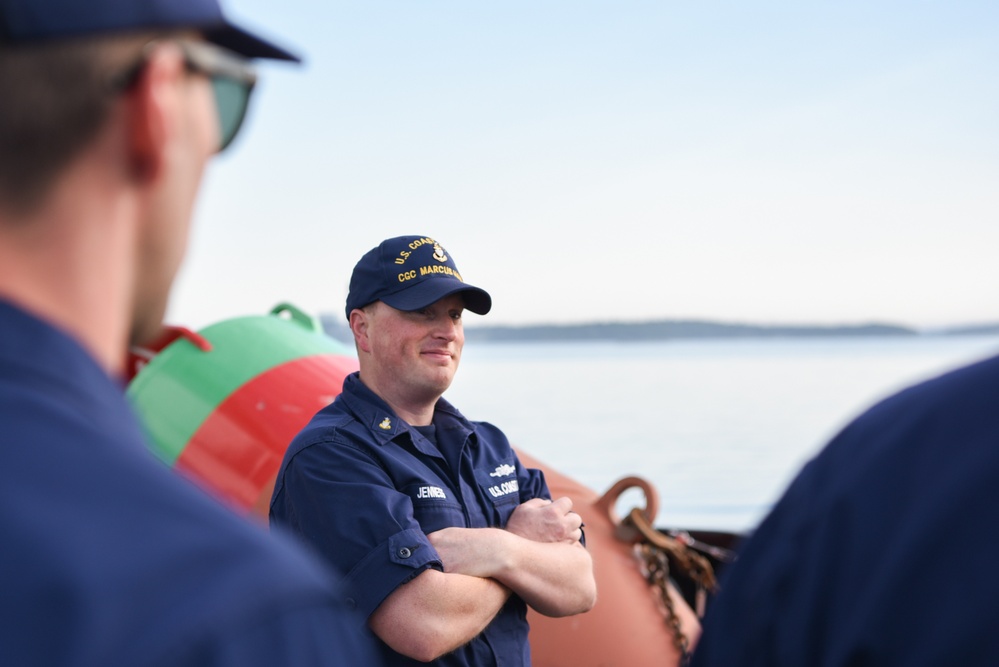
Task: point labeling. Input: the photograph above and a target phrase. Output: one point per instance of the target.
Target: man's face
(163, 232)
(413, 355)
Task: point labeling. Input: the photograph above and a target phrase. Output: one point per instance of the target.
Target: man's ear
(359, 327)
(152, 105)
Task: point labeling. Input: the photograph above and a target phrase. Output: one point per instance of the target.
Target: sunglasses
(232, 79)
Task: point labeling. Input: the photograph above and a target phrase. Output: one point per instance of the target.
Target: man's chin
(439, 382)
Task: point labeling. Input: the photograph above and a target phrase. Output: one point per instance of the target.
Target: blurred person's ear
(154, 107)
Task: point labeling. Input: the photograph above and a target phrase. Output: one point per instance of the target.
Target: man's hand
(538, 556)
(542, 520)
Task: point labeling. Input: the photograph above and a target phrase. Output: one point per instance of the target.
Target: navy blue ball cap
(410, 273)
(37, 21)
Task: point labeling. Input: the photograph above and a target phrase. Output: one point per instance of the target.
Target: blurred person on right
(882, 550)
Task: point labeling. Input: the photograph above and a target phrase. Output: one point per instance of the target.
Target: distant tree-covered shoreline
(674, 330)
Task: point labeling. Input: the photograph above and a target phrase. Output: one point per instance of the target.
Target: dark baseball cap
(37, 21)
(410, 273)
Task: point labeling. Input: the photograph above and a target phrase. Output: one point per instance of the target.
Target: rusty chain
(658, 550)
(657, 574)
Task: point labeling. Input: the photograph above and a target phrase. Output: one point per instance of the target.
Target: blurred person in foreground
(109, 111)
(446, 537)
(882, 550)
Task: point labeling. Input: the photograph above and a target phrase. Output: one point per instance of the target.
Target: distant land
(336, 327)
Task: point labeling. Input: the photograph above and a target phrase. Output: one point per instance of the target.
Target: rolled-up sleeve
(343, 502)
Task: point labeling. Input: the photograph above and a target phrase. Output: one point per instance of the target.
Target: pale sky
(765, 162)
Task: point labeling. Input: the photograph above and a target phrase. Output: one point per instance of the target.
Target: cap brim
(431, 291)
(246, 44)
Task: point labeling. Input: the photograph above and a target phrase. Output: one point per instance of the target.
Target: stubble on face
(414, 355)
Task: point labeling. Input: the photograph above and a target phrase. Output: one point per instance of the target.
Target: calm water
(717, 427)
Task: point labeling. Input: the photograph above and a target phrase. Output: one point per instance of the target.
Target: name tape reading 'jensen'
(430, 492)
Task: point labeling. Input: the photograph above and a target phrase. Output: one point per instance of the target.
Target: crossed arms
(538, 556)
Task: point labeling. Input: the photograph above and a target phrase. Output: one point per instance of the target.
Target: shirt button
(405, 552)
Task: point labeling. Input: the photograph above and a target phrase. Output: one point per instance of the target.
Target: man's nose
(446, 327)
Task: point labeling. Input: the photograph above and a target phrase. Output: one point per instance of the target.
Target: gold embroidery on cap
(441, 270)
(439, 253)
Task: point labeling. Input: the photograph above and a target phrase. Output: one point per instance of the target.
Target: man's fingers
(563, 504)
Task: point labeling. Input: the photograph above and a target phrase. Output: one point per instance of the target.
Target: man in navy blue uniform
(110, 110)
(444, 536)
(882, 551)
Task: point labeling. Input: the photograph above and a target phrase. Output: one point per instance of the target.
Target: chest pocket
(499, 484)
(434, 508)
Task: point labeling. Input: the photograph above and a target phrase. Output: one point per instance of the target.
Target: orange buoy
(627, 626)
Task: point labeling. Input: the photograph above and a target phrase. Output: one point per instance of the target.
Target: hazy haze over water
(717, 427)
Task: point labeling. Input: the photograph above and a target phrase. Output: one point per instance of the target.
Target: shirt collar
(46, 359)
(369, 409)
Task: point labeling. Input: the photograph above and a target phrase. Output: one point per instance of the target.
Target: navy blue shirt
(883, 550)
(366, 488)
(109, 558)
